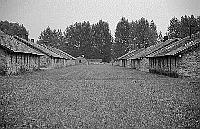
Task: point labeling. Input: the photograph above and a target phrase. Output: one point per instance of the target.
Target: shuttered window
(24, 59)
(167, 62)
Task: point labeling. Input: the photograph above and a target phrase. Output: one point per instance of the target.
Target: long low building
(16, 57)
(68, 59)
(49, 58)
(122, 61)
(141, 62)
(173, 57)
(179, 59)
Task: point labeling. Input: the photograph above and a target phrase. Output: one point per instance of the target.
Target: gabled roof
(39, 47)
(61, 53)
(183, 48)
(13, 45)
(135, 53)
(124, 56)
(80, 57)
(152, 49)
(174, 48)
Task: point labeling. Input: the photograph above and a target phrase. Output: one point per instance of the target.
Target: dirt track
(98, 96)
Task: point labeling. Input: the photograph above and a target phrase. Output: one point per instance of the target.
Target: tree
(153, 35)
(14, 29)
(174, 28)
(181, 29)
(78, 39)
(145, 34)
(102, 41)
(122, 37)
(50, 37)
(92, 41)
(135, 35)
(132, 36)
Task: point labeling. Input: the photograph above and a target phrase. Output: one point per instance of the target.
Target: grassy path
(98, 97)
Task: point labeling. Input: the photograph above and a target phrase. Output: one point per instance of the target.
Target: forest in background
(95, 41)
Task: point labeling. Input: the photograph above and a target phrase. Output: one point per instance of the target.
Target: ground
(98, 97)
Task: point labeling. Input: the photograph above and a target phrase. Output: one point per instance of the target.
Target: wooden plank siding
(17, 57)
(123, 62)
(164, 65)
(50, 59)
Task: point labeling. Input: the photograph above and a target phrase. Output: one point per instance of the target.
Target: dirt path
(98, 96)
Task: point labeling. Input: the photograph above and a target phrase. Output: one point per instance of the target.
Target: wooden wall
(144, 65)
(167, 65)
(19, 63)
(2, 61)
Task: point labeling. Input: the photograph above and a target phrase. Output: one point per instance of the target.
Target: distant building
(94, 61)
(81, 61)
(68, 59)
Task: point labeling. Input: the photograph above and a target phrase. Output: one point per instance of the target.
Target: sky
(36, 15)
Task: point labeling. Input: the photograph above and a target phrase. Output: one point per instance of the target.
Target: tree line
(13, 29)
(95, 41)
(180, 28)
(133, 35)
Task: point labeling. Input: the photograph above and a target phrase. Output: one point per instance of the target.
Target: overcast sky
(36, 15)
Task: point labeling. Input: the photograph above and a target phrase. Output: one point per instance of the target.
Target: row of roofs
(17, 53)
(143, 52)
(165, 55)
(38, 47)
(176, 48)
(14, 45)
(20, 45)
(169, 47)
(51, 51)
(61, 53)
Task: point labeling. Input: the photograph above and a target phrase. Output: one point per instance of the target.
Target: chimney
(32, 40)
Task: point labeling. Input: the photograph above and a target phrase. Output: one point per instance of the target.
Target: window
(24, 59)
(167, 63)
(57, 60)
